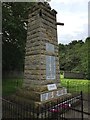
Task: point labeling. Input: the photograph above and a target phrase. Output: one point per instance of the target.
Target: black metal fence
(61, 109)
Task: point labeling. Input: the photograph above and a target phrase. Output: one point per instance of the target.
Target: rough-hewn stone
(34, 95)
(39, 59)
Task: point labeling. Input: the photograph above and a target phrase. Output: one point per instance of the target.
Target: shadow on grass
(9, 86)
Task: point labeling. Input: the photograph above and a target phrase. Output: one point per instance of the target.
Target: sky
(74, 15)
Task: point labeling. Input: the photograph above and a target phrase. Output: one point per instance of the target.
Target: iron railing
(59, 109)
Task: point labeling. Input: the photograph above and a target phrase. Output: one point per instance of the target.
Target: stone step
(42, 96)
(25, 101)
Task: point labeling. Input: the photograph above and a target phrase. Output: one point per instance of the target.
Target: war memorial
(41, 83)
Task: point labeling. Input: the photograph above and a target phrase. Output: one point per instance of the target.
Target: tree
(14, 28)
(73, 57)
(88, 46)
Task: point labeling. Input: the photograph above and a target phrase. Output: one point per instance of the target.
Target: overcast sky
(74, 15)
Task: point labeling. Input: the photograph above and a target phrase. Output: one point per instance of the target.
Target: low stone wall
(73, 75)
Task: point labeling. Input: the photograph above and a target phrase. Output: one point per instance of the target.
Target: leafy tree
(88, 47)
(73, 57)
(14, 28)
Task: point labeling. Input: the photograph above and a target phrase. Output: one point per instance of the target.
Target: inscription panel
(50, 67)
(53, 94)
(50, 95)
(49, 47)
(44, 96)
(52, 87)
(59, 92)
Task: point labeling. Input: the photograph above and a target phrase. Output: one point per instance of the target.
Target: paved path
(86, 108)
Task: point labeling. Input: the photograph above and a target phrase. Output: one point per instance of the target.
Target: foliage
(88, 42)
(74, 56)
(14, 28)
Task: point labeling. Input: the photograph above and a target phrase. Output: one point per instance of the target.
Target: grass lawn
(9, 86)
(76, 85)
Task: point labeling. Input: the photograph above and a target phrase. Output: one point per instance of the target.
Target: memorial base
(39, 107)
(40, 97)
(21, 100)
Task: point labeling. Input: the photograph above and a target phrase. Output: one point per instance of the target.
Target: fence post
(68, 87)
(82, 105)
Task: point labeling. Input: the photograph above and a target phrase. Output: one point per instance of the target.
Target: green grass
(76, 85)
(9, 86)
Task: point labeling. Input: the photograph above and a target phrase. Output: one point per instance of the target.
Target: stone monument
(41, 74)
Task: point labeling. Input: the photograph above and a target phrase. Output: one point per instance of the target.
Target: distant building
(73, 75)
